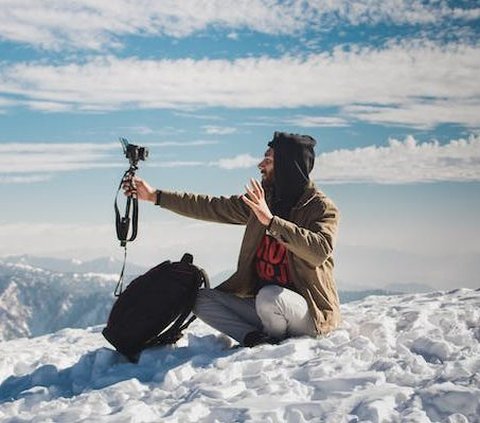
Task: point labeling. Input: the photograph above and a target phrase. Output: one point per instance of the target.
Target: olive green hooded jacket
(309, 237)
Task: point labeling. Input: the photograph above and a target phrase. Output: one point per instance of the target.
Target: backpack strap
(174, 333)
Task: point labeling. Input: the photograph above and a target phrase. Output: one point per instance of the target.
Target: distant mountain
(391, 288)
(218, 278)
(36, 301)
(362, 267)
(412, 288)
(105, 265)
(349, 296)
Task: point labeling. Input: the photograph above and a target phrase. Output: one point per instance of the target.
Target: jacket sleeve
(213, 209)
(313, 244)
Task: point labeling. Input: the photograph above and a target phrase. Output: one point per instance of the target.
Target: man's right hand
(140, 189)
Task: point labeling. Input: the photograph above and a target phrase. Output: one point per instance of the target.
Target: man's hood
(294, 158)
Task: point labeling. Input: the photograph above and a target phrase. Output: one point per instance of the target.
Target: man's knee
(267, 299)
(269, 293)
(269, 310)
(204, 297)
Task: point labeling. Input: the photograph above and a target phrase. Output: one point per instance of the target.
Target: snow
(409, 358)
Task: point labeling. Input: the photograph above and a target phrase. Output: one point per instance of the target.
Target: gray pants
(277, 311)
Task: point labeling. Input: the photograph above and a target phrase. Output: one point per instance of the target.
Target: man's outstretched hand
(256, 201)
(140, 189)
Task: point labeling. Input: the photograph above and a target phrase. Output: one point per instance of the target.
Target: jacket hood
(294, 158)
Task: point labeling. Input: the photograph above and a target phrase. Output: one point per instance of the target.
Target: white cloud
(196, 143)
(49, 106)
(5, 102)
(16, 158)
(164, 131)
(233, 36)
(423, 115)
(53, 163)
(24, 179)
(267, 121)
(317, 121)
(408, 81)
(142, 130)
(467, 14)
(19, 160)
(55, 148)
(402, 162)
(198, 116)
(238, 162)
(96, 25)
(178, 163)
(218, 130)
(399, 162)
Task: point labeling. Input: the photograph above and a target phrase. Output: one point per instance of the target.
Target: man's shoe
(252, 339)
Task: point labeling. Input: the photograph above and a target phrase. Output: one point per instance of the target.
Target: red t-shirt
(271, 264)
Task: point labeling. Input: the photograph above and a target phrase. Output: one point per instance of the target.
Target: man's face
(266, 167)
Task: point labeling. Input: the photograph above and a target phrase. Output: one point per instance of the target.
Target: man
(284, 283)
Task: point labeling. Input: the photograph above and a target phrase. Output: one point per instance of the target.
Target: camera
(133, 153)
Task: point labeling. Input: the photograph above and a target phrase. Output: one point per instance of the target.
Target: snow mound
(410, 358)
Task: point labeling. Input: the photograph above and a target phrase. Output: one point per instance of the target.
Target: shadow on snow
(105, 367)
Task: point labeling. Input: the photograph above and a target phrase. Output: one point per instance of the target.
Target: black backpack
(153, 308)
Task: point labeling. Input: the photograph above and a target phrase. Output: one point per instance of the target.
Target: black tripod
(133, 153)
(122, 223)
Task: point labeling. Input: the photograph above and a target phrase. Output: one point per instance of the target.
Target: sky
(389, 89)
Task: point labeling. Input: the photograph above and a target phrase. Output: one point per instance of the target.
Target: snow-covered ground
(411, 358)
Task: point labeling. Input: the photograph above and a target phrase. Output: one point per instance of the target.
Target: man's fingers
(129, 190)
(251, 193)
(249, 202)
(254, 185)
(129, 187)
(258, 187)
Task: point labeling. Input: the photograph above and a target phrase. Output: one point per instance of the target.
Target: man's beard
(269, 188)
(267, 182)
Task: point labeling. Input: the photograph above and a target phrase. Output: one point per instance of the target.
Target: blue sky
(389, 89)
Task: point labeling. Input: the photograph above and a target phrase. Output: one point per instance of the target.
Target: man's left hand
(256, 201)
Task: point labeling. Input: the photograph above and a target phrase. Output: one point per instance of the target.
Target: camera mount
(133, 153)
